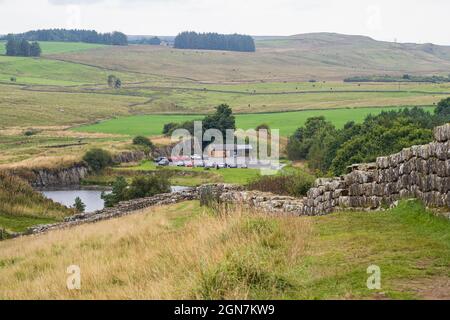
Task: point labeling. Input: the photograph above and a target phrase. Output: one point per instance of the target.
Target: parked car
(244, 166)
(159, 159)
(196, 157)
(210, 165)
(179, 163)
(199, 164)
(188, 164)
(163, 163)
(221, 165)
(232, 165)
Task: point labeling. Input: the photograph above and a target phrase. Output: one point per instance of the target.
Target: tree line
(330, 150)
(154, 41)
(404, 78)
(65, 35)
(22, 48)
(214, 41)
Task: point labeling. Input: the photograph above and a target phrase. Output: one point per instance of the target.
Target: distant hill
(302, 57)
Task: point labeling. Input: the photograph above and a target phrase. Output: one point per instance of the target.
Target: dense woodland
(215, 41)
(64, 35)
(330, 150)
(22, 48)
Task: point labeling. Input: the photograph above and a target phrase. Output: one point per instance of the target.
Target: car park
(221, 165)
(210, 165)
(199, 164)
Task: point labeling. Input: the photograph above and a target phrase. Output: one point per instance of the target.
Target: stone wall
(421, 172)
(122, 209)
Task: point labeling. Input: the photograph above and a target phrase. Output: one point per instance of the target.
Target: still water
(91, 198)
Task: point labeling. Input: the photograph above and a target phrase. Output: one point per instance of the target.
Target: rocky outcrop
(122, 209)
(51, 178)
(130, 156)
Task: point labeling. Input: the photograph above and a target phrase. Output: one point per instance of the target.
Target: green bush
(98, 159)
(291, 184)
(330, 150)
(140, 187)
(144, 142)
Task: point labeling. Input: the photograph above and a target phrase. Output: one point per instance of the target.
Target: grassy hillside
(34, 108)
(22, 207)
(287, 122)
(59, 47)
(185, 252)
(302, 57)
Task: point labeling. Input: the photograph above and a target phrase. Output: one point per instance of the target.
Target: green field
(59, 47)
(286, 122)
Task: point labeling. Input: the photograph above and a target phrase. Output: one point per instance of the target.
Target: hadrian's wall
(421, 172)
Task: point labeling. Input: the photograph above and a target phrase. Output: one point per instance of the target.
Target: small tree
(35, 49)
(118, 193)
(443, 109)
(118, 84)
(98, 159)
(144, 142)
(79, 205)
(111, 80)
(169, 127)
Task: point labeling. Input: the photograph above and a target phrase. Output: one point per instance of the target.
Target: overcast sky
(402, 20)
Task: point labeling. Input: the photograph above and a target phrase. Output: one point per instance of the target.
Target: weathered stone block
(442, 133)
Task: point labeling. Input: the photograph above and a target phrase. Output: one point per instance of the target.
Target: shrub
(140, 187)
(148, 186)
(296, 184)
(31, 132)
(144, 142)
(98, 159)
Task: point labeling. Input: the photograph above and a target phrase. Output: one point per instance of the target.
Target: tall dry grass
(175, 252)
(17, 198)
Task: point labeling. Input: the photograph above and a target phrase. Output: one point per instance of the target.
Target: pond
(91, 198)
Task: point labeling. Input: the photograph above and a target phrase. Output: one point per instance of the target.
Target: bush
(296, 184)
(443, 109)
(98, 159)
(140, 187)
(31, 132)
(144, 142)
